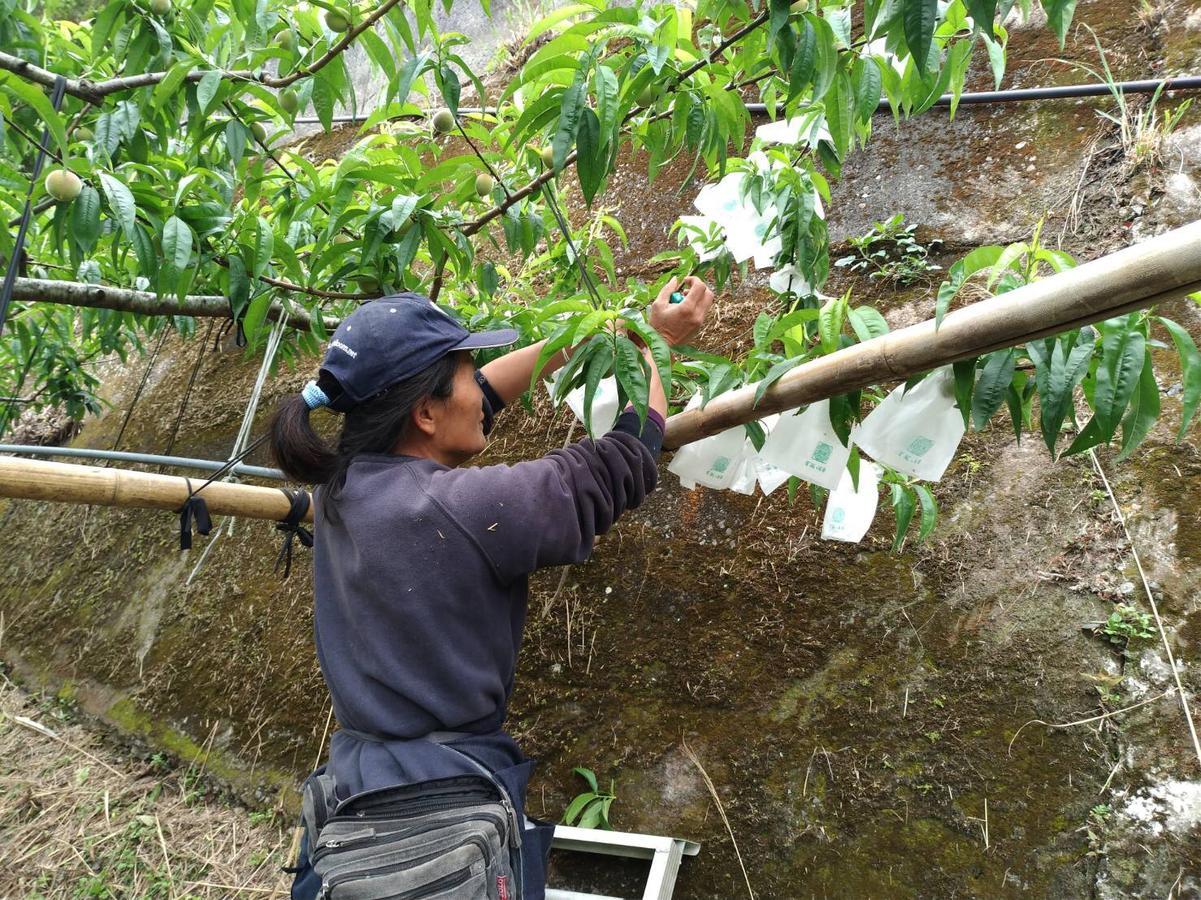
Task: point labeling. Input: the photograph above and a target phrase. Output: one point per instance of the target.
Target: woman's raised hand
(677, 322)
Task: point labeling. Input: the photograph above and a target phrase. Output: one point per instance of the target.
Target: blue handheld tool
(676, 297)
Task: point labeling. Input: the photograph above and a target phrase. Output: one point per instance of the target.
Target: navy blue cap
(385, 341)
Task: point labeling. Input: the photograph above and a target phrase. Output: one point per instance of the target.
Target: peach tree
(173, 192)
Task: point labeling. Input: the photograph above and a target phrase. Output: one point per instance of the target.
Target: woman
(421, 567)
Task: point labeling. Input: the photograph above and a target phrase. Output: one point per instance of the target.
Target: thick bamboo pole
(28, 479)
(1155, 271)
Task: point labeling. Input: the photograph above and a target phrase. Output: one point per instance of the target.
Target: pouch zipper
(336, 880)
(368, 840)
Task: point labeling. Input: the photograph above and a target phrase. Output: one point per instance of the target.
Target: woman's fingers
(667, 290)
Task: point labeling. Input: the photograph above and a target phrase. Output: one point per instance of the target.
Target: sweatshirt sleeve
(549, 511)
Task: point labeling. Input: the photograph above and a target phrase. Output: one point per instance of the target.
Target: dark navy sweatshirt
(421, 583)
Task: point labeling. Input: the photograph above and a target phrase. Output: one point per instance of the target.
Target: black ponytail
(373, 426)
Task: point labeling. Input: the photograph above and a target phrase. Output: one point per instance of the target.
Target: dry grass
(78, 820)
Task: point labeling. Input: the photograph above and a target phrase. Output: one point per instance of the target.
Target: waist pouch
(452, 837)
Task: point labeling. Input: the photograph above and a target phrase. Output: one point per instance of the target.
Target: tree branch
(76, 87)
(518, 195)
(300, 288)
(99, 296)
(94, 92)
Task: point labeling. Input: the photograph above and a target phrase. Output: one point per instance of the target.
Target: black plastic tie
(194, 512)
(292, 528)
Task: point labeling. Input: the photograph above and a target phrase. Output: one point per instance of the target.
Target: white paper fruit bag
(715, 461)
(849, 512)
(604, 404)
(915, 432)
(806, 446)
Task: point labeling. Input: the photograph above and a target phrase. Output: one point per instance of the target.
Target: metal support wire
(243, 436)
(150, 459)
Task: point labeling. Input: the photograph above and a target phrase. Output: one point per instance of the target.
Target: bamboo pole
(1158, 270)
(28, 479)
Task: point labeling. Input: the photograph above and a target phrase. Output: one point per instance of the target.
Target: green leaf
(239, 286)
(1059, 366)
(590, 158)
(408, 73)
(120, 202)
(1144, 410)
(577, 806)
(1190, 372)
(206, 90)
(919, 18)
(570, 111)
(829, 322)
(991, 389)
(773, 375)
(592, 816)
(1123, 347)
(85, 218)
(840, 112)
(1059, 17)
(904, 503)
(177, 246)
(550, 21)
(252, 322)
(589, 776)
(556, 342)
(166, 89)
(325, 97)
(804, 60)
(631, 369)
(965, 379)
(983, 12)
(236, 135)
(31, 95)
(980, 258)
(929, 511)
(866, 78)
(867, 323)
(451, 89)
(599, 364)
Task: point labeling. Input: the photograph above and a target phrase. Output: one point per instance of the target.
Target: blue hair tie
(314, 396)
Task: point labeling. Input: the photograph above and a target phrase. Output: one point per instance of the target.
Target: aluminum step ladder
(664, 853)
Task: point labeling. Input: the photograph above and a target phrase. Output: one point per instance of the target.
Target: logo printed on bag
(821, 453)
(839, 516)
(917, 449)
(502, 886)
(719, 466)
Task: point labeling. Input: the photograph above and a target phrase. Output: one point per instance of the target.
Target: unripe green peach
(648, 95)
(286, 40)
(160, 7)
(368, 285)
(63, 185)
(342, 238)
(548, 156)
(289, 102)
(444, 121)
(484, 184)
(258, 130)
(800, 6)
(336, 20)
(83, 133)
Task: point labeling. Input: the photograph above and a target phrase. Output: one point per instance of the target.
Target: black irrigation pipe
(968, 98)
